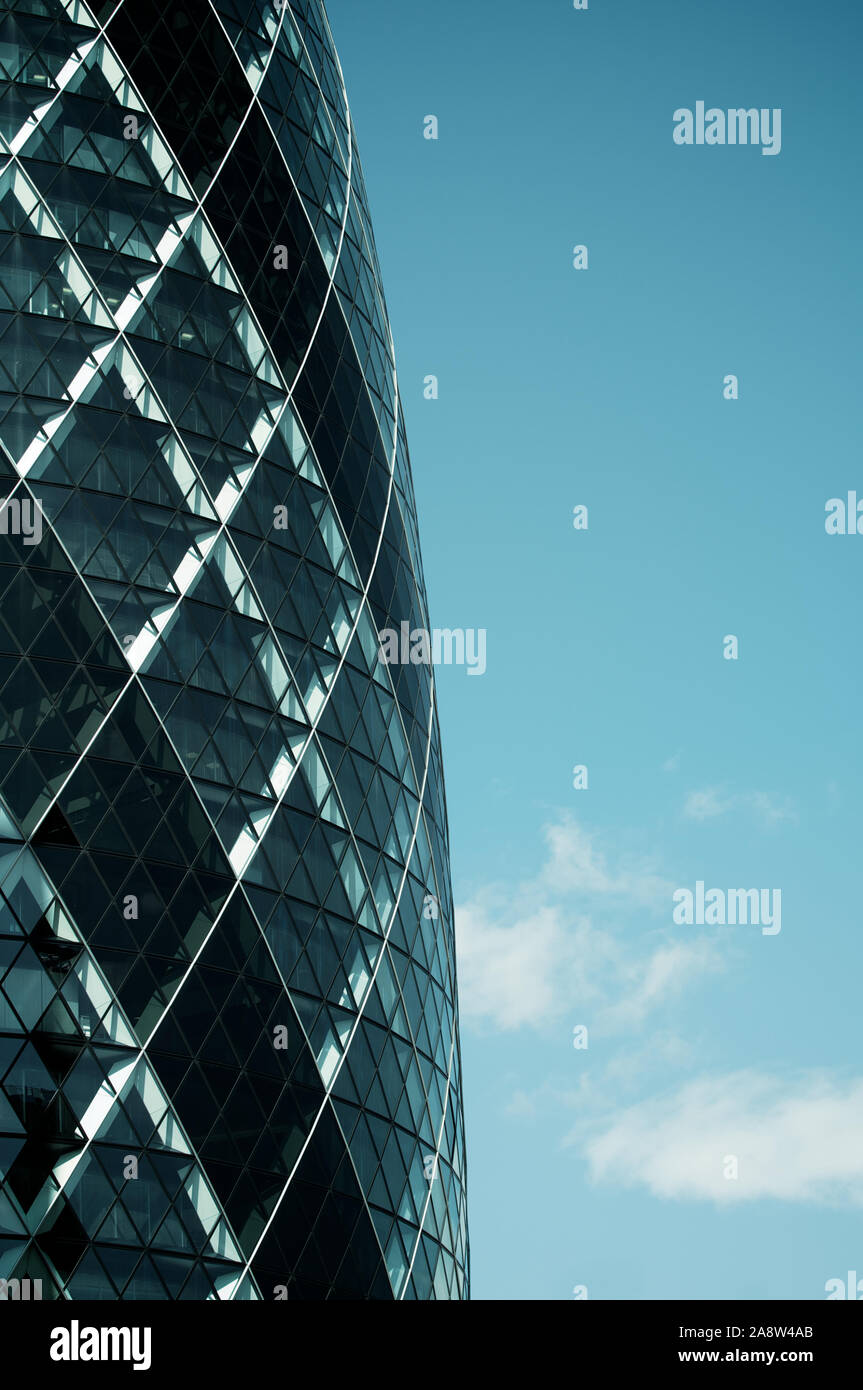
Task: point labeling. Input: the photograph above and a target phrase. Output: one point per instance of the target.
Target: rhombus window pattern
(229, 1056)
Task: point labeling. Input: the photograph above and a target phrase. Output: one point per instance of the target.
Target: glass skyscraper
(229, 1055)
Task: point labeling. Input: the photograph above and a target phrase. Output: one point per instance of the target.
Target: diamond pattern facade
(229, 1057)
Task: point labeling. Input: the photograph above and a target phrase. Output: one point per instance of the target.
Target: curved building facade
(229, 1056)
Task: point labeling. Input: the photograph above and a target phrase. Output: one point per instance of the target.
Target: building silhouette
(229, 1056)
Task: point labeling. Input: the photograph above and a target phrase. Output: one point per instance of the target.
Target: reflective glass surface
(229, 1055)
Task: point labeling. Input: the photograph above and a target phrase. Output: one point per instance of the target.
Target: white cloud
(706, 804)
(769, 809)
(576, 938)
(577, 865)
(798, 1141)
(528, 970)
(651, 982)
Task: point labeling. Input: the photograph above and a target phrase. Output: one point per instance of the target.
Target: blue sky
(605, 1167)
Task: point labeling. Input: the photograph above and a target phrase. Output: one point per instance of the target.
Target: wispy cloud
(704, 805)
(769, 808)
(709, 802)
(577, 936)
(798, 1140)
(596, 1090)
